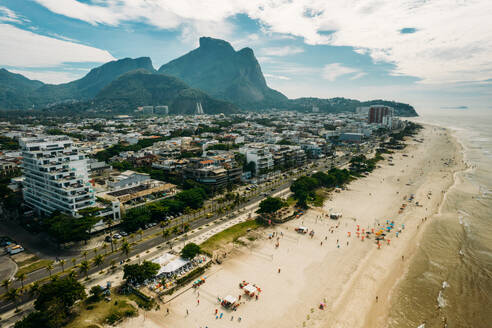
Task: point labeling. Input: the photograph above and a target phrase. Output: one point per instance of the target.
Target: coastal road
(146, 244)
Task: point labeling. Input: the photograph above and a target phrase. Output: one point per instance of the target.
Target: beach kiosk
(302, 229)
(229, 302)
(250, 290)
(335, 216)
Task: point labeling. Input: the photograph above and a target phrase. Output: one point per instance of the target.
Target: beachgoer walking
(167, 310)
(197, 302)
(187, 312)
(278, 270)
(377, 298)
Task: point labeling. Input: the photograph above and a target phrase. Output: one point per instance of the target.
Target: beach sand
(347, 278)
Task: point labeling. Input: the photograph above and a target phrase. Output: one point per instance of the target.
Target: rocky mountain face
(216, 68)
(40, 95)
(143, 87)
(219, 78)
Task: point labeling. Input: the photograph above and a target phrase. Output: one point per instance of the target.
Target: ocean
(449, 282)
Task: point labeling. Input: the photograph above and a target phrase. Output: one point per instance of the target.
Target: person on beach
(278, 270)
(187, 312)
(377, 298)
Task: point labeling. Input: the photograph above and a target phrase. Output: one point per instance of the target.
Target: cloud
(280, 77)
(28, 49)
(281, 51)
(7, 15)
(452, 43)
(331, 72)
(47, 76)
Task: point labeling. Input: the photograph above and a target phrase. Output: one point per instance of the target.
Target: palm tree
(33, 290)
(74, 260)
(125, 248)
(6, 283)
(62, 264)
(84, 267)
(95, 251)
(105, 248)
(49, 267)
(140, 232)
(109, 222)
(85, 255)
(12, 296)
(72, 274)
(21, 277)
(165, 233)
(131, 237)
(98, 260)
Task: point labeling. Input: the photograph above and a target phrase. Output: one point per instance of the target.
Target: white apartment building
(55, 175)
(261, 156)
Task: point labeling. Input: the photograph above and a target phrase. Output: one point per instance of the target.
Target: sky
(431, 54)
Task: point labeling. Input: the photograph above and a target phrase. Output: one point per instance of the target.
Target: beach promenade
(353, 278)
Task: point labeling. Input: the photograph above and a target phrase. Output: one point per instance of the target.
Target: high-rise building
(377, 112)
(161, 110)
(55, 175)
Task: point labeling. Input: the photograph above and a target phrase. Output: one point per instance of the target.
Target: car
(117, 236)
(153, 224)
(147, 226)
(124, 234)
(108, 239)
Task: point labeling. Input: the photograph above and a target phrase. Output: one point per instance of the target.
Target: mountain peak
(211, 43)
(216, 68)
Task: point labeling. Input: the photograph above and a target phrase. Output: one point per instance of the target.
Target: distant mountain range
(213, 76)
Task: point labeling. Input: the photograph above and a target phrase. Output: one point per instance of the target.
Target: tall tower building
(55, 175)
(377, 112)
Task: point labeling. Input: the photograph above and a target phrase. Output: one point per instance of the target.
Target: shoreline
(361, 271)
(402, 272)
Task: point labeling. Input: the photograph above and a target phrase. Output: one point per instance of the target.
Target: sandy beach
(351, 276)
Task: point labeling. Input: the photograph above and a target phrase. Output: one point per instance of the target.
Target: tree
(13, 296)
(34, 319)
(125, 248)
(98, 260)
(138, 273)
(190, 250)
(96, 293)
(55, 300)
(65, 228)
(192, 197)
(34, 289)
(84, 267)
(84, 254)
(271, 205)
(105, 248)
(49, 267)
(62, 264)
(6, 284)
(140, 233)
(21, 277)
